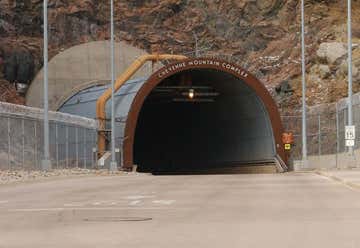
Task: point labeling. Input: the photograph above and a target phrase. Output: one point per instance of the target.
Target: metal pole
(350, 90)
(36, 145)
(337, 135)
(94, 155)
(113, 164)
(45, 163)
(304, 141)
(9, 142)
(319, 131)
(23, 141)
(57, 144)
(77, 146)
(85, 147)
(345, 111)
(67, 146)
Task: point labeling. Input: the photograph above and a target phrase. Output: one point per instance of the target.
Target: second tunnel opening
(202, 120)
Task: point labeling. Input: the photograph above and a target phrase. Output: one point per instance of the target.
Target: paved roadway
(280, 210)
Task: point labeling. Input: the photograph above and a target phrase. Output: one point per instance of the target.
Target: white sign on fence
(350, 142)
(101, 162)
(350, 135)
(350, 132)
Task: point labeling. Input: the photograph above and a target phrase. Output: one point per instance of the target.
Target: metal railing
(21, 145)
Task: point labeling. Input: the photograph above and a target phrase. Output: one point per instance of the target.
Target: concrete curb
(8, 178)
(338, 179)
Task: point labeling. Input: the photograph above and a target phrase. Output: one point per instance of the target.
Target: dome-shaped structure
(80, 67)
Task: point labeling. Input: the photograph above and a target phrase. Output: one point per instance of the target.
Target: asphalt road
(281, 210)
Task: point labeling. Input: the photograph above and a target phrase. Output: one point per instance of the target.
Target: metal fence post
(356, 127)
(345, 123)
(67, 145)
(9, 143)
(57, 144)
(94, 152)
(337, 135)
(93, 158)
(35, 145)
(23, 141)
(84, 147)
(319, 133)
(77, 146)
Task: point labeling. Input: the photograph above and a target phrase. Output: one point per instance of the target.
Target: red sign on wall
(288, 138)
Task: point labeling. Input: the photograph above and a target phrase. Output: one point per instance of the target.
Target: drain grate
(116, 219)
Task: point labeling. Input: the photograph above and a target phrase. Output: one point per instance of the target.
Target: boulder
(324, 71)
(343, 70)
(331, 52)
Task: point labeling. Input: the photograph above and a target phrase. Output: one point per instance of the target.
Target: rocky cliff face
(262, 36)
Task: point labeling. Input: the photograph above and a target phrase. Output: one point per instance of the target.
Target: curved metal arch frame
(78, 89)
(199, 63)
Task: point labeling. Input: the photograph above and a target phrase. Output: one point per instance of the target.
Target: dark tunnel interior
(202, 119)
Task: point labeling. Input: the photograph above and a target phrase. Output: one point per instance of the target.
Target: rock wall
(261, 35)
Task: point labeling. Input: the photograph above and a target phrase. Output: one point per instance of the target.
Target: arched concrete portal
(241, 125)
(81, 67)
(236, 121)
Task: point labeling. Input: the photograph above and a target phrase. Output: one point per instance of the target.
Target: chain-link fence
(325, 135)
(21, 146)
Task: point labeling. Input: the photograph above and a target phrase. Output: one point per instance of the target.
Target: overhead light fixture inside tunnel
(191, 93)
(192, 100)
(199, 94)
(184, 93)
(161, 88)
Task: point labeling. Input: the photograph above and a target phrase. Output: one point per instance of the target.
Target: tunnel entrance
(193, 115)
(202, 118)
